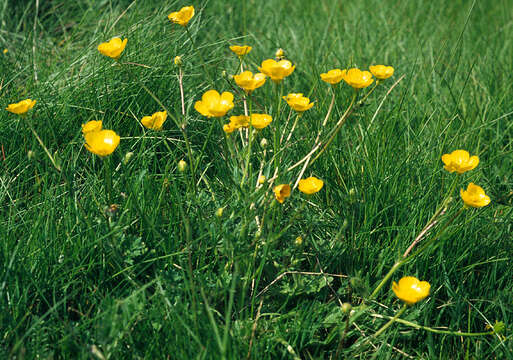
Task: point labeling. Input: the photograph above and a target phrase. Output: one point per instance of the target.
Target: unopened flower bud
(346, 308)
(219, 212)
(31, 155)
(128, 156)
(280, 54)
(178, 61)
(261, 179)
(224, 74)
(263, 143)
(182, 165)
(298, 241)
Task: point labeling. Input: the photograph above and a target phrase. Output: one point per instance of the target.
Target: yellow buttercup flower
(357, 79)
(229, 128)
(21, 107)
(277, 70)
(310, 185)
(381, 72)
(248, 81)
(236, 122)
(241, 50)
(240, 121)
(6, 51)
(459, 161)
(411, 290)
(102, 142)
(93, 125)
(183, 16)
(281, 192)
(261, 179)
(213, 104)
(260, 121)
(333, 76)
(298, 102)
(113, 48)
(155, 121)
(474, 196)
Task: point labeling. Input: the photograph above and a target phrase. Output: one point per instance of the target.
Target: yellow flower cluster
(460, 161)
(258, 121)
(357, 78)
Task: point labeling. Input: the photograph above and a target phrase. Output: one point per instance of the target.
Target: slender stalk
(399, 263)
(108, 178)
(337, 128)
(293, 127)
(432, 222)
(370, 92)
(434, 238)
(200, 55)
(391, 321)
(394, 268)
(276, 122)
(29, 124)
(228, 315)
(286, 125)
(342, 338)
(436, 331)
(175, 120)
(182, 97)
(250, 142)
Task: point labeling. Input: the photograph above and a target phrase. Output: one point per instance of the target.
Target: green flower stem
(180, 126)
(432, 221)
(404, 260)
(438, 331)
(337, 128)
(434, 238)
(342, 338)
(182, 96)
(276, 144)
(227, 144)
(394, 268)
(204, 64)
(108, 178)
(293, 127)
(391, 321)
(275, 207)
(250, 142)
(370, 92)
(29, 124)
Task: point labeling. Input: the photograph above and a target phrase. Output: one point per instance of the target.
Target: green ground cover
(160, 275)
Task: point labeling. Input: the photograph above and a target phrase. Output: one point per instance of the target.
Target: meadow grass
(160, 275)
